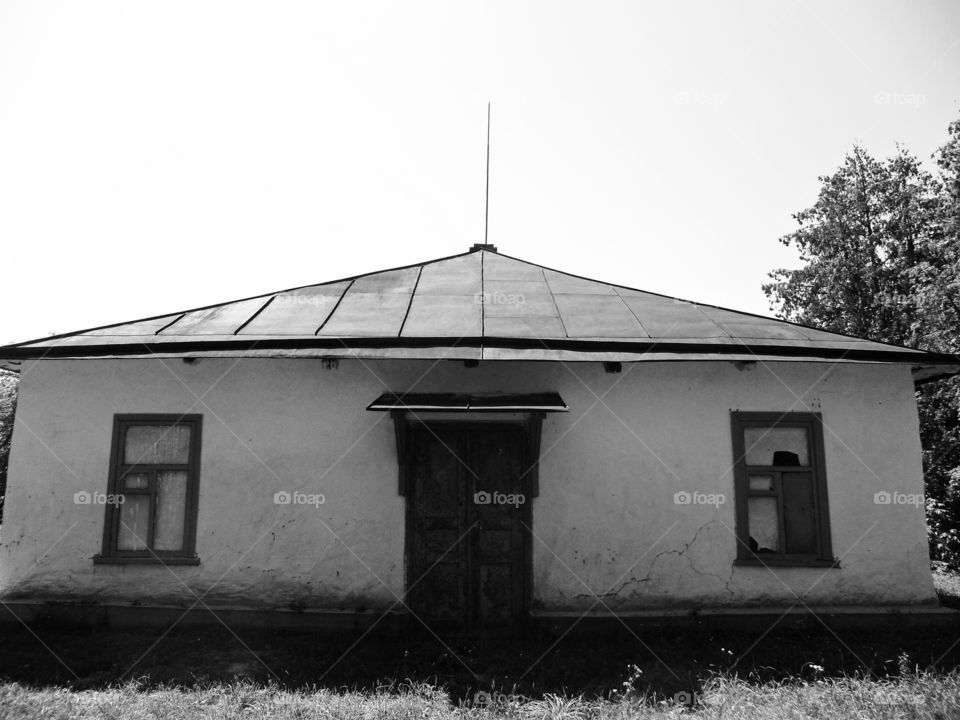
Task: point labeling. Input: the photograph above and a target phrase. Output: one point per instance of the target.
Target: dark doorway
(468, 510)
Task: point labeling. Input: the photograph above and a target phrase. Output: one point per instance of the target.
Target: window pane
(136, 481)
(798, 513)
(151, 444)
(789, 443)
(764, 524)
(171, 510)
(761, 482)
(134, 521)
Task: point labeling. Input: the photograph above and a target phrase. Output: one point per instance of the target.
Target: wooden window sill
(134, 560)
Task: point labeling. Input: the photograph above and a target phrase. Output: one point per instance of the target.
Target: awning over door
(541, 402)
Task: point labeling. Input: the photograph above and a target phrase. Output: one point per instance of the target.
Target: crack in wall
(679, 552)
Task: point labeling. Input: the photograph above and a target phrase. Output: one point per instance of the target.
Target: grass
(920, 696)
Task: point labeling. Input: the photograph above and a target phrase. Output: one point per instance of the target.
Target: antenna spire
(486, 210)
(486, 214)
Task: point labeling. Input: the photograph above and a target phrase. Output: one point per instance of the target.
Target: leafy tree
(881, 259)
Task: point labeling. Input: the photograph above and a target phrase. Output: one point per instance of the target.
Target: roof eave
(926, 366)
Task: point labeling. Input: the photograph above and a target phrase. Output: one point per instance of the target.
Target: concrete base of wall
(121, 616)
(759, 619)
(392, 623)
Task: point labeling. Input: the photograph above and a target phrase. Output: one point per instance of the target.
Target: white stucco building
(468, 443)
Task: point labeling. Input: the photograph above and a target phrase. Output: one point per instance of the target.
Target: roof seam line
(627, 306)
(720, 327)
(413, 294)
(337, 305)
(556, 307)
(253, 317)
(483, 297)
(179, 317)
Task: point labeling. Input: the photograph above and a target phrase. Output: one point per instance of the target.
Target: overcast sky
(157, 156)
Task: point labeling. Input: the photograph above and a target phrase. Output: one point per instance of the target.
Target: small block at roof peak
(483, 246)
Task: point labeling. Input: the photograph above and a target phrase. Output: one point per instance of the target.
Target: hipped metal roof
(479, 305)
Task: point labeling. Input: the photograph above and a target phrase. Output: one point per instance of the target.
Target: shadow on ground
(658, 660)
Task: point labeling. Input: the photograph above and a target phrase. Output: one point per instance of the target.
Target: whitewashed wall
(605, 522)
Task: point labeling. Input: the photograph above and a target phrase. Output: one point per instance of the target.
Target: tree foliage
(881, 259)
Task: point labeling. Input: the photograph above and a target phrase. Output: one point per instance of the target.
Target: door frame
(528, 424)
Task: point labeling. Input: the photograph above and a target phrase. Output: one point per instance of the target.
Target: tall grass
(921, 696)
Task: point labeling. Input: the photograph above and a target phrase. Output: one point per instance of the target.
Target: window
(154, 476)
(781, 492)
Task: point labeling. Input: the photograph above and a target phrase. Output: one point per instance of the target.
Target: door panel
(467, 548)
(437, 578)
(496, 457)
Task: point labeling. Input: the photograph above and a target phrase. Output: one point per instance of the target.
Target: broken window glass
(762, 443)
(764, 524)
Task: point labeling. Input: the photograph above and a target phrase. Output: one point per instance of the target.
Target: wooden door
(467, 543)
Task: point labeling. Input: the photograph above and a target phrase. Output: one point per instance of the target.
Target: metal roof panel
(528, 326)
(444, 315)
(598, 316)
(297, 312)
(219, 320)
(368, 314)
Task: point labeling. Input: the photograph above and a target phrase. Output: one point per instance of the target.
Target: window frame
(813, 423)
(110, 553)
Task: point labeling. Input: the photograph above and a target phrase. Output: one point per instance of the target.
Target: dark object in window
(780, 489)
(151, 509)
(785, 457)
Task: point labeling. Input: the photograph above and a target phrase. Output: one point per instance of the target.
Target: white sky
(157, 156)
